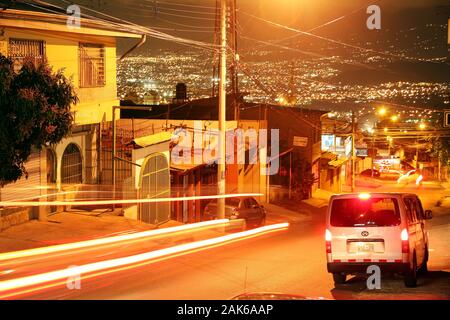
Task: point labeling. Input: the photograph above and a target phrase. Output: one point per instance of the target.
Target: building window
(71, 166)
(92, 65)
(21, 49)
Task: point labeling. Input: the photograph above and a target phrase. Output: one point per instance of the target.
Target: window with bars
(71, 165)
(19, 49)
(92, 65)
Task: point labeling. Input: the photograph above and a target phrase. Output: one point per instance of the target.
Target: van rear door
(365, 229)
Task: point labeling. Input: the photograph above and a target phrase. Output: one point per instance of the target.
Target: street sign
(362, 152)
(447, 119)
(300, 141)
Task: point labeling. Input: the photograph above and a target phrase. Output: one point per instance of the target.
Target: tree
(35, 112)
(440, 149)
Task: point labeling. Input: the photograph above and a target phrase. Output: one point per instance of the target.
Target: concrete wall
(14, 216)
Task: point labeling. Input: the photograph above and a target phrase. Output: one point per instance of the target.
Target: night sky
(197, 21)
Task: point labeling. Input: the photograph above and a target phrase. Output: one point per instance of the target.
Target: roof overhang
(23, 19)
(337, 163)
(153, 139)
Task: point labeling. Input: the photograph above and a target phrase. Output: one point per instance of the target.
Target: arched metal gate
(155, 183)
(71, 165)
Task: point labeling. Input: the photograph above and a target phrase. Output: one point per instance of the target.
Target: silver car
(246, 208)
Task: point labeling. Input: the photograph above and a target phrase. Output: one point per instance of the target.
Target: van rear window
(372, 212)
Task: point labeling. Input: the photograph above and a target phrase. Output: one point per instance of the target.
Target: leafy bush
(34, 112)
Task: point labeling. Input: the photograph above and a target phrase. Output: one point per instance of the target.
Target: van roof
(373, 194)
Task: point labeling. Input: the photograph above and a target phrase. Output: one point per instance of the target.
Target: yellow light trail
(109, 240)
(126, 201)
(144, 258)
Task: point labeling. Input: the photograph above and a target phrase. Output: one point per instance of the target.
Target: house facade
(87, 55)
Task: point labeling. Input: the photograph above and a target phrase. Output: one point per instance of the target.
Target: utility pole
(233, 58)
(222, 110)
(353, 151)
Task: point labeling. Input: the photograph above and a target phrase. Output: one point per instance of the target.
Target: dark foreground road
(291, 261)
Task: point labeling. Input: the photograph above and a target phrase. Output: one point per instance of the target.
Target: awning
(328, 156)
(337, 163)
(153, 139)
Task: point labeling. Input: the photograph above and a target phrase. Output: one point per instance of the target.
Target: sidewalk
(69, 227)
(319, 199)
(277, 214)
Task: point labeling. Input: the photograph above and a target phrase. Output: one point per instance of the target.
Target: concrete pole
(353, 151)
(222, 109)
(290, 175)
(113, 156)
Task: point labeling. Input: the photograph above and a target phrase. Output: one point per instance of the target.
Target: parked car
(411, 176)
(383, 229)
(371, 173)
(246, 208)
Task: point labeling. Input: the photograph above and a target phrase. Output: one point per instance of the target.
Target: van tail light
(405, 240)
(328, 240)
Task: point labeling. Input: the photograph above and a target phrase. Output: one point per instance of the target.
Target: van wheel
(339, 278)
(424, 267)
(411, 275)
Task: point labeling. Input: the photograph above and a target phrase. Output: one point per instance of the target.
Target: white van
(383, 229)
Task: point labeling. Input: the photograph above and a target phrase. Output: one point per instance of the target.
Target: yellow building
(88, 56)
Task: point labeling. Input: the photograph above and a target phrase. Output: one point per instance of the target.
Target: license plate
(365, 247)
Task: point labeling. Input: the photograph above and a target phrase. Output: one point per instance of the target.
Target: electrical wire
(157, 8)
(127, 25)
(185, 25)
(324, 24)
(336, 41)
(181, 4)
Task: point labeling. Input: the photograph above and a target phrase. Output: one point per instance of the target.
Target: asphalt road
(291, 261)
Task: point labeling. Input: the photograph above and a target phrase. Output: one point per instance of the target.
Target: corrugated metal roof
(328, 156)
(153, 139)
(338, 162)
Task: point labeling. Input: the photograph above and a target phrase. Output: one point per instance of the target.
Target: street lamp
(422, 126)
(382, 111)
(394, 118)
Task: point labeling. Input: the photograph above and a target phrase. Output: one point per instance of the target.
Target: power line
(185, 25)
(325, 24)
(181, 4)
(334, 41)
(317, 55)
(185, 16)
(157, 8)
(130, 26)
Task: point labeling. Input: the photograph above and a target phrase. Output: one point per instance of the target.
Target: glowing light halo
(13, 284)
(109, 240)
(126, 201)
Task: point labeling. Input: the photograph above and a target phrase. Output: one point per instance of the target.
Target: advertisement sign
(362, 152)
(447, 118)
(300, 141)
